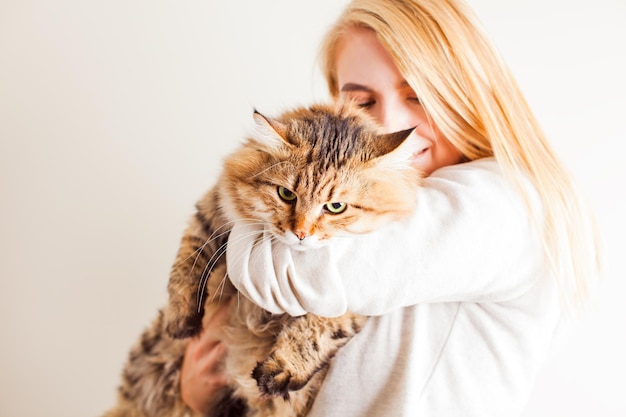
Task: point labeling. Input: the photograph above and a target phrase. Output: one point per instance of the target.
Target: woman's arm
(470, 239)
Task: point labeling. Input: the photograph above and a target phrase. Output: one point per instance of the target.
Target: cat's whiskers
(238, 259)
(214, 236)
(206, 273)
(219, 291)
(210, 239)
(219, 252)
(270, 167)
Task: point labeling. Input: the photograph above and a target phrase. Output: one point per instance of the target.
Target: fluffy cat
(309, 175)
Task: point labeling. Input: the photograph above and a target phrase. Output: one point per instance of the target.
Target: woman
(470, 292)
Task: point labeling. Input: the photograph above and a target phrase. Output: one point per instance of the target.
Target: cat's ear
(269, 131)
(389, 142)
(394, 148)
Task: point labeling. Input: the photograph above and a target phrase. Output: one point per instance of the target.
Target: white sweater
(465, 308)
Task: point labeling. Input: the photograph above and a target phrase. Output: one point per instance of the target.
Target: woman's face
(367, 75)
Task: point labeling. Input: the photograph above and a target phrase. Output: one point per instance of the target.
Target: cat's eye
(336, 208)
(286, 194)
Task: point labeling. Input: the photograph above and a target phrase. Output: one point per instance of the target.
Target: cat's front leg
(305, 346)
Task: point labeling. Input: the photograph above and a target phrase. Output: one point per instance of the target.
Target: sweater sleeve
(471, 238)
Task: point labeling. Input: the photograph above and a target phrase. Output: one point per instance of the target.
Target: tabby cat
(312, 173)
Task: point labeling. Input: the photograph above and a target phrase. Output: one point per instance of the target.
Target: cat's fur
(321, 154)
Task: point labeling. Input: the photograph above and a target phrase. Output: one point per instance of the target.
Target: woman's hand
(202, 374)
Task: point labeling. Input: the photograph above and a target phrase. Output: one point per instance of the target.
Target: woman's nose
(397, 116)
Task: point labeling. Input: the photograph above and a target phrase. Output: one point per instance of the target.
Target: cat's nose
(303, 227)
(300, 234)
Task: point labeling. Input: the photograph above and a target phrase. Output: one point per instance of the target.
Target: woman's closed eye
(359, 95)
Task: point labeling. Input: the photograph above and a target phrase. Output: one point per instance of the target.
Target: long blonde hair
(471, 96)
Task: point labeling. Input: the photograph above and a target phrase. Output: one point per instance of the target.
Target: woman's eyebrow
(349, 87)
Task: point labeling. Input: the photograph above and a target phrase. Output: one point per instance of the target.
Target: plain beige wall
(114, 116)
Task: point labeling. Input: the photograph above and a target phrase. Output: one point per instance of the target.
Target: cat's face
(320, 173)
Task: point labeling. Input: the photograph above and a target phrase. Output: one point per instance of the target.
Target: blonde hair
(471, 96)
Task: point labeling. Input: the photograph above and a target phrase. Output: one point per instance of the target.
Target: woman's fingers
(202, 372)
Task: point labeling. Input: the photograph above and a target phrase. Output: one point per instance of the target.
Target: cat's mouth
(310, 242)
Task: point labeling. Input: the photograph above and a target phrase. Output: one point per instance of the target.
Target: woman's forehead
(362, 63)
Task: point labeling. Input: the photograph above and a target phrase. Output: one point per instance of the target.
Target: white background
(115, 115)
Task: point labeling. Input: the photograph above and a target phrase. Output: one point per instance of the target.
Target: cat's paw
(274, 377)
(180, 326)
